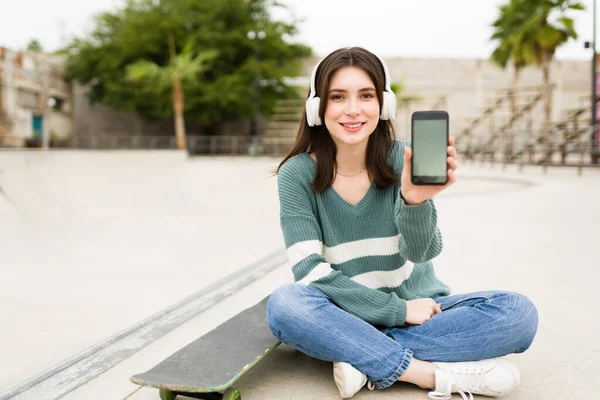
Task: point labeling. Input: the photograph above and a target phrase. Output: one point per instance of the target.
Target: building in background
(35, 99)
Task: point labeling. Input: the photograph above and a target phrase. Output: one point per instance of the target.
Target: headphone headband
(313, 77)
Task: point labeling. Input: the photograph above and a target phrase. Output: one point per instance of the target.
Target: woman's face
(352, 111)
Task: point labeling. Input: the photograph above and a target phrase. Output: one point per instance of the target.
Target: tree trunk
(510, 134)
(513, 95)
(178, 110)
(547, 91)
(3, 130)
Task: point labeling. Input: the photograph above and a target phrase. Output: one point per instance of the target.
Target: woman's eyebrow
(367, 89)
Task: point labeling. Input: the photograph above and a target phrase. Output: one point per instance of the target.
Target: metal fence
(240, 145)
(234, 145)
(553, 147)
(522, 147)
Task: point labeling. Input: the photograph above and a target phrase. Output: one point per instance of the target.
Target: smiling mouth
(354, 126)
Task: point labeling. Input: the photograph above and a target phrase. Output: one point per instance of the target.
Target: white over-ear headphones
(388, 108)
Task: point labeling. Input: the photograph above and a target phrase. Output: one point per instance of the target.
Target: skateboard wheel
(232, 394)
(166, 394)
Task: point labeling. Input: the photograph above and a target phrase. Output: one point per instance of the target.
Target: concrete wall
(22, 123)
(470, 86)
(97, 119)
(60, 125)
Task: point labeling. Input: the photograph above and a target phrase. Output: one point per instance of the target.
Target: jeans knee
(527, 320)
(278, 307)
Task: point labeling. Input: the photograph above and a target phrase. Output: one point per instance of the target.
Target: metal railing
(523, 147)
(240, 145)
(552, 147)
(232, 145)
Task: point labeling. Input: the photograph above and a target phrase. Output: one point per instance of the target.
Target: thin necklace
(350, 176)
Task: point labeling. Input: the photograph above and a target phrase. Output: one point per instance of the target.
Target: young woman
(361, 239)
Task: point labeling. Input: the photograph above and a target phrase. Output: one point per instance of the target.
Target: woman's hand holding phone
(416, 194)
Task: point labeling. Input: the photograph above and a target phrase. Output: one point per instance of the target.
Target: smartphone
(429, 137)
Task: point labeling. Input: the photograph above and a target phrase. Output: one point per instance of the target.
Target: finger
(407, 157)
(451, 151)
(438, 308)
(452, 163)
(430, 308)
(433, 307)
(452, 140)
(451, 177)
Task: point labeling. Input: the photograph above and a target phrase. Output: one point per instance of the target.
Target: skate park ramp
(93, 242)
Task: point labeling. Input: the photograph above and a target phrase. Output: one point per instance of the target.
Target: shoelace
(474, 378)
(370, 385)
(463, 391)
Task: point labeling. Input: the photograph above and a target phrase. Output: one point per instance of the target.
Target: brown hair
(317, 138)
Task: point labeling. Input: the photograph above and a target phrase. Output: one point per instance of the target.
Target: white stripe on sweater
(299, 251)
(381, 279)
(361, 248)
(316, 273)
(344, 252)
(349, 251)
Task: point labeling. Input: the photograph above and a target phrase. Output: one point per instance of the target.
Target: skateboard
(208, 367)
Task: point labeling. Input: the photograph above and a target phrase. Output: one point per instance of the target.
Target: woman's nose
(352, 107)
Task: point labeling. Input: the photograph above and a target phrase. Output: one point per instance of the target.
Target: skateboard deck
(207, 367)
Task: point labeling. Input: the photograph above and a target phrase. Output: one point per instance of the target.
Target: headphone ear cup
(388, 109)
(312, 111)
(317, 105)
(310, 119)
(390, 102)
(385, 106)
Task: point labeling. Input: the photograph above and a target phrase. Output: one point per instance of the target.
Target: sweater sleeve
(420, 238)
(304, 243)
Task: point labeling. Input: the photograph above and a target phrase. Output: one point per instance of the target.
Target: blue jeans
(471, 326)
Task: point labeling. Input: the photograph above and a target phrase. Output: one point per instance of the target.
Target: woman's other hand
(421, 310)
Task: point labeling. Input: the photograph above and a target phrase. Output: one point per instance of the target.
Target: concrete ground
(93, 242)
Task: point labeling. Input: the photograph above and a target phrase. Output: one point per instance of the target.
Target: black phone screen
(429, 143)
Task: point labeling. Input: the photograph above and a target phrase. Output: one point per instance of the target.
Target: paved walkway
(93, 242)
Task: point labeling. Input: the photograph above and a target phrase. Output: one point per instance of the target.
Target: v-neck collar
(339, 200)
(354, 208)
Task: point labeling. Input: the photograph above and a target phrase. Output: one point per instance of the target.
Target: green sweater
(368, 258)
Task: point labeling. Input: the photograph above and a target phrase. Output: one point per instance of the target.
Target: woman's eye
(368, 95)
(336, 97)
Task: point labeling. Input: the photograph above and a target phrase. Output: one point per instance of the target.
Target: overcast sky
(402, 28)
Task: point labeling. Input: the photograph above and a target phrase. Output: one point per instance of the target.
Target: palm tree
(180, 68)
(539, 36)
(512, 15)
(509, 51)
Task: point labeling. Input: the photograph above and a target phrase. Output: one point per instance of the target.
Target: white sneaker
(349, 380)
(493, 377)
